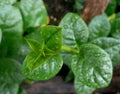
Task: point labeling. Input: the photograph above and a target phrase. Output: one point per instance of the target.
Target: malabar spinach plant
(87, 50)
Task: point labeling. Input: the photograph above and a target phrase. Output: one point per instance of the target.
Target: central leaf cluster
(45, 57)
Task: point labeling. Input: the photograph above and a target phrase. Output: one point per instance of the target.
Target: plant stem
(68, 49)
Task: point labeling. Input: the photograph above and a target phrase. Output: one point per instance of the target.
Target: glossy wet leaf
(34, 13)
(99, 27)
(115, 29)
(35, 45)
(0, 35)
(110, 45)
(75, 31)
(10, 76)
(93, 66)
(35, 59)
(111, 8)
(52, 37)
(10, 19)
(46, 71)
(8, 1)
(82, 89)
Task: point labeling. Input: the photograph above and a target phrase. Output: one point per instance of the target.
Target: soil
(56, 10)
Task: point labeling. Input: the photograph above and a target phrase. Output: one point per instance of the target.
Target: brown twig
(93, 8)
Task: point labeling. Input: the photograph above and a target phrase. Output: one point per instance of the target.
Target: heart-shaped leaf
(93, 66)
(45, 71)
(99, 27)
(110, 45)
(10, 76)
(33, 12)
(75, 31)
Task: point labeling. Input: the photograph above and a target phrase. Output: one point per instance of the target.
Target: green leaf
(8, 1)
(82, 89)
(35, 45)
(67, 58)
(34, 13)
(10, 45)
(9, 88)
(35, 35)
(79, 5)
(10, 76)
(111, 8)
(92, 67)
(118, 2)
(116, 59)
(52, 37)
(69, 77)
(74, 29)
(11, 26)
(21, 91)
(99, 27)
(35, 59)
(10, 19)
(74, 32)
(0, 35)
(45, 71)
(22, 51)
(110, 45)
(115, 29)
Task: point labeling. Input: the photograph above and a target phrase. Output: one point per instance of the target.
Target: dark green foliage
(10, 76)
(79, 5)
(89, 51)
(111, 7)
(99, 27)
(13, 47)
(115, 29)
